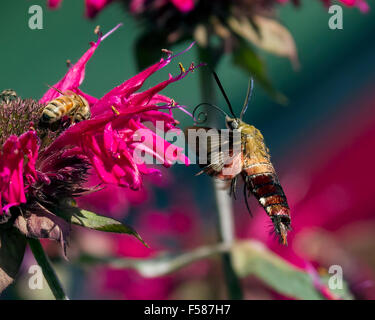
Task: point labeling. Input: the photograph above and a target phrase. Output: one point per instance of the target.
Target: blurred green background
(336, 65)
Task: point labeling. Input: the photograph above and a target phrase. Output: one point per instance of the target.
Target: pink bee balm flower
(42, 172)
(360, 4)
(107, 139)
(92, 7)
(182, 5)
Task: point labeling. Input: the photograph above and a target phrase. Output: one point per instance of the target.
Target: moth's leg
(233, 186)
(246, 200)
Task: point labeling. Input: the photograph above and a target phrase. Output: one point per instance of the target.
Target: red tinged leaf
(43, 224)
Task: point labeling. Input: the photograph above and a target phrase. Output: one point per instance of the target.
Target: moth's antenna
(248, 96)
(224, 94)
(205, 113)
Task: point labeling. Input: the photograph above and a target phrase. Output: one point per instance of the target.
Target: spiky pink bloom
(362, 5)
(137, 6)
(92, 7)
(106, 141)
(43, 172)
(18, 156)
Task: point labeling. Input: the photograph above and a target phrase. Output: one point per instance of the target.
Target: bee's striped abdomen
(57, 108)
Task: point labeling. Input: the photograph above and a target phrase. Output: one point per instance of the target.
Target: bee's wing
(76, 97)
(218, 151)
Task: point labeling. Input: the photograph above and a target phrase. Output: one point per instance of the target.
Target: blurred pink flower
(360, 4)
(106, 140)
(330, 186)
(116, 202)
(172, 231)
(183, 5)
(112, 199)
(137, 6)
(92, 7)
(54, 4)
(18, 156)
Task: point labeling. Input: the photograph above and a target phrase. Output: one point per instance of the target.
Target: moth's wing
(193, 140)
(254, 149)
(221, 156)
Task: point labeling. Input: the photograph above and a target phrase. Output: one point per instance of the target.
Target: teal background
(334, 63)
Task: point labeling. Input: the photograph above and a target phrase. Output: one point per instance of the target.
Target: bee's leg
(79, 116)
(233, 186)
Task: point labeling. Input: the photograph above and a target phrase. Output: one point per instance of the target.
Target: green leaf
(95, 221)
(245, 57)
(251, 258)
(343, 293)
(12, 250)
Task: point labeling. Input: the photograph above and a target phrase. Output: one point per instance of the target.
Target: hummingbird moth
(240, 151)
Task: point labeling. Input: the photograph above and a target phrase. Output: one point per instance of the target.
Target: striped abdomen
(263, 183)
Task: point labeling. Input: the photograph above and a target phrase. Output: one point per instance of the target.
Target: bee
(69, 104)
(247, 157)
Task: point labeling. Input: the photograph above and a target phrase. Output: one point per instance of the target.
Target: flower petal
(93, 7)
(54, 4)
(11, 173)
(183, 5)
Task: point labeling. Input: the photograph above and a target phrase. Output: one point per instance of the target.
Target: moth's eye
(232, 123)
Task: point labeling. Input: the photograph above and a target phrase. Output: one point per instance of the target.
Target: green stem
(225, 223)
(48, 272)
